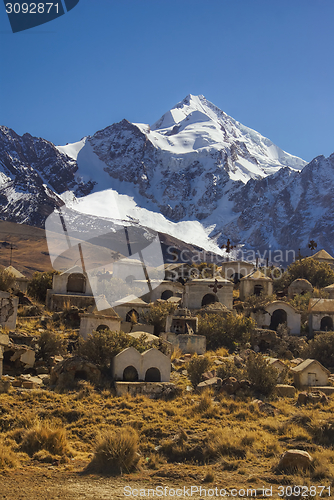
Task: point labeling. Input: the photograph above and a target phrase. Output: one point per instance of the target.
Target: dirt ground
(48, 483)
(45, 482)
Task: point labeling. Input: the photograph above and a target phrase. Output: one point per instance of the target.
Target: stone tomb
(310, 373)
(234, 270)
(299, 287)
(276, 313)
(201, 292)
(255, 283)
(323, 256)
(181, 332)
(330, 290)
(131, 308)
(150, 366)
(70, 287)
(321, 315)
(21, 282)
(95, 320)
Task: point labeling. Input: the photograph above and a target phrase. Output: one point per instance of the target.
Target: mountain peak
(196, 124)
(188, 106)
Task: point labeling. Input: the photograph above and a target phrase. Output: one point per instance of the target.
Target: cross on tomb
(215, 286)
(228, 248)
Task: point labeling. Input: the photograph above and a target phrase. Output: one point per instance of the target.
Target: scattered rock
(41, 370)
(267, 408)
(245, 353)
(305, 398)
(45, 378)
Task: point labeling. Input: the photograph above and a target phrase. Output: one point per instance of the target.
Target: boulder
(312, 397)
(45, 378)
(230, 385)
(285, 391)
(295, 459)
(214, 382)
(208, 375)
(245, 384)
(302, 398)
(267, 408)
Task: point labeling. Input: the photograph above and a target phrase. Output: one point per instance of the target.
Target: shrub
(6, 280)
(319, 274)
(44, 437)
(196, 367)
(321, 348)
(50, 344)
(116, 452)
(255, 303)
(39, 284)
(157, 315)
(228, 369)
(209, 477)
(263, 376)
(229, 331)
(102, 346)
(287, 346)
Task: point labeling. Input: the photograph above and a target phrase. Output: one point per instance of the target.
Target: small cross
(228, 247)
(215, 286)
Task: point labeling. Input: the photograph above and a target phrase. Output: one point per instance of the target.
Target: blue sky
(267, 63)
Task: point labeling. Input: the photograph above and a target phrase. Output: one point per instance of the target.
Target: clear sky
(266, 63)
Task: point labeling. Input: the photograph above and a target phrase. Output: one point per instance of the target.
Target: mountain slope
(196, 174)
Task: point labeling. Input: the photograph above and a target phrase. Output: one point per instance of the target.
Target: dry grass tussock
(116, 452)
(44, 436)
(8, 458)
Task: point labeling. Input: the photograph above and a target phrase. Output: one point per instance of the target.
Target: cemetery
(193, 346)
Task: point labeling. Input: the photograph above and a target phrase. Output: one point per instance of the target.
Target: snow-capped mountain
(196, 174)
(184, 164)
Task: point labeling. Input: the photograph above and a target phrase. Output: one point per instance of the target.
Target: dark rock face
(32, 173)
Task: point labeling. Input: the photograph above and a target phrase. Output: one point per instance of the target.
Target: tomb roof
(322, 254)
(14, 272)
(256, 274)
(321, 305)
